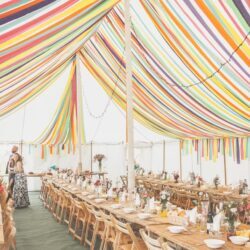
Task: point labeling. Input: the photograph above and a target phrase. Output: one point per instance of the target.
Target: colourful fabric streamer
(212, 148)
(63, 128)
(162, 71)
(36, 39)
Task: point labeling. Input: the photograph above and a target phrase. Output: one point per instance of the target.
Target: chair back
(165, 246)
(152, 244)
(119, 225)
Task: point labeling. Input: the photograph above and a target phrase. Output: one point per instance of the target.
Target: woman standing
(20, 192)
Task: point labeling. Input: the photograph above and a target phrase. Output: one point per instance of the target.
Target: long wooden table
(223, 192)
(191, 240)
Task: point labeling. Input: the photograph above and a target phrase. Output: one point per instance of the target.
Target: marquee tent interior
(65, 78)
(107, 137)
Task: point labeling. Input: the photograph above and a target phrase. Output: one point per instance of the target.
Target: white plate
(214, 243)
(129, 210)
(239, 240)
(176, 229)
(116, 206)
(144, 216)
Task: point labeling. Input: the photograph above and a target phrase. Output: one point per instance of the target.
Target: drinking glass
(203, 225)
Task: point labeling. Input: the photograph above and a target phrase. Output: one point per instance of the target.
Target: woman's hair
(17, 157)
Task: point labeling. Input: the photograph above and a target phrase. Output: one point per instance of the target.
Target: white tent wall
(147, 155)
(209, 168)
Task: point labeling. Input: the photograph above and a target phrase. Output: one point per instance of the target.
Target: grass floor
(38, 230)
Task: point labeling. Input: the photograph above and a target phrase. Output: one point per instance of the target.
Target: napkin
(84, 184)
(78, 182)
(193, 215)
(137, 200)
(92, 187)
(110, 192)
(123, 197)
(152, 203)
(99, 190)
(217, 222)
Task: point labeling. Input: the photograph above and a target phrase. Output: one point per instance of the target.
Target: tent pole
(164, 155)
(225, 161)
(180, 146)
(129, 92)
(21, 147)
(79, 112)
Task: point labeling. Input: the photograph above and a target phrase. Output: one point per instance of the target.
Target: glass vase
(231, 230)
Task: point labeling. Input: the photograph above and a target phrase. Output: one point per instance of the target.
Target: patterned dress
(20, 192)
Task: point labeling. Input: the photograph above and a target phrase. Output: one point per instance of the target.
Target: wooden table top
(192, 240)
(107, 205)
(188, 187)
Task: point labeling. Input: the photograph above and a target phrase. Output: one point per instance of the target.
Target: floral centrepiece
(99, 158)
(216, 181)
(200, 181)
(176, 177)
(192, 178)
(164, 195)
(231, 215)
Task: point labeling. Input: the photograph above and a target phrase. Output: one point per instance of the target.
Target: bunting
(210, 149)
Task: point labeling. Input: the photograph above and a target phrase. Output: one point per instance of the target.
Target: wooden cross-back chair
(125, 237)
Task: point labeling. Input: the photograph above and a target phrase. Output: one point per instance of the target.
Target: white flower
(233, 210)
(163, 197)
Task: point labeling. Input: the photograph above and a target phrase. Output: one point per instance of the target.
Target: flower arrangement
(97, 183)
(176, 176)
(243, 188)
(69, 172)
(136, 167)
(231, 215)
(144, 197)
(164, 195)
(216, 181)
(99, 158)
(192, 178)
(200, 181)
(244, 211)
(117, 192)
(164, 175)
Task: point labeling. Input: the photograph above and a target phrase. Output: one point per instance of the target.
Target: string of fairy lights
(136, 36)
(209, 77)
